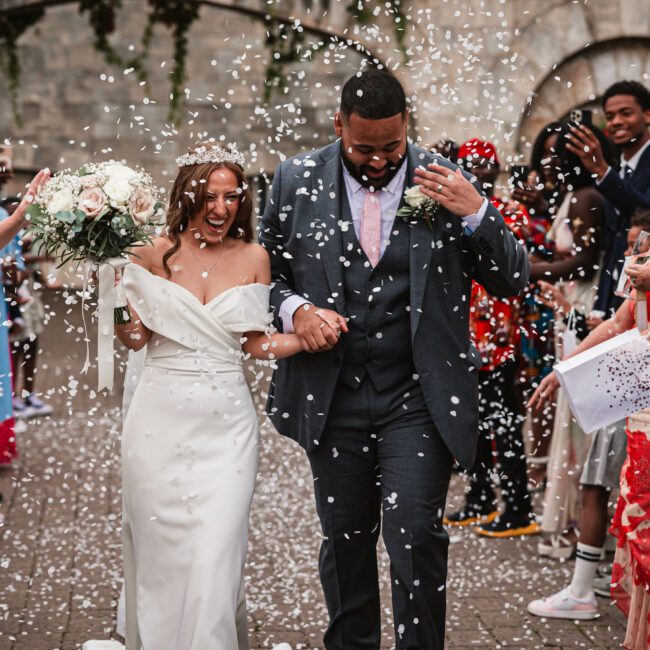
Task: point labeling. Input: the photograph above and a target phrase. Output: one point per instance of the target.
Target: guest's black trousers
(500, 446)
(381, 453)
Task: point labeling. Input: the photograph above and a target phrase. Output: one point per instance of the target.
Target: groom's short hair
(373, 94)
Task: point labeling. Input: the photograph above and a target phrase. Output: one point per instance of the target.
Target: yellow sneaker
(503, 527)
(468, 516)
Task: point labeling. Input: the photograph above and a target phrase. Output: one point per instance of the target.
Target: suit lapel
(328, 208)
(420, 250)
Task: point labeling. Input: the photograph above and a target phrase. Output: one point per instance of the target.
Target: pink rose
(141, 206)
(89, 181)
(92, 201)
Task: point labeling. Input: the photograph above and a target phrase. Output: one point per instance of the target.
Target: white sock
(587, 559)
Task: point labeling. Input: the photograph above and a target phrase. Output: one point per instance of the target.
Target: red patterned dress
(494, 321)
(631, 527)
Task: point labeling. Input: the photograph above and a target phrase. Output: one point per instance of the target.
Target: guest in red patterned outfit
(631, 527)
(501, 455)
(631, 524)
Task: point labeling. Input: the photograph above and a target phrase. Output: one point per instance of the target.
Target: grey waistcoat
(379, 342)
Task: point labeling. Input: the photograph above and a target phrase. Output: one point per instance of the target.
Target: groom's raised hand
(318, 329)
(450, 188)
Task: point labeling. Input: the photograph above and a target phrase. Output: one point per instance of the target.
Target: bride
(199, 300)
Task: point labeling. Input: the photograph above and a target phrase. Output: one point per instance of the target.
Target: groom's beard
(359, 172)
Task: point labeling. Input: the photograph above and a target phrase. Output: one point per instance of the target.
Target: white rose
(141, 206)
(62, 201)
(414, 197)
(92, 201)
(118, 190)
(118, 170)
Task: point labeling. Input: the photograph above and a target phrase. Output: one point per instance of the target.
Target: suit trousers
(381, 462)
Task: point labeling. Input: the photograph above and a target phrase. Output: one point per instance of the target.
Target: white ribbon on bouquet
(106, 301)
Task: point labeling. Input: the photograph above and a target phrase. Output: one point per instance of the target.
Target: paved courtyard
(60, 546)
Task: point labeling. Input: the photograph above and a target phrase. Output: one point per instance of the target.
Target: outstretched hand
(318, 329)
(12, 225)
(544, 392)
(531, 194)
(583, 143)
(449, 188)
(38, 183)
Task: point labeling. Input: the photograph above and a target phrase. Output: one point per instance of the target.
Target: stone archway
(580, 80)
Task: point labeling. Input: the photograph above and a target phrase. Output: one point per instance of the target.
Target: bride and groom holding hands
(375, 378)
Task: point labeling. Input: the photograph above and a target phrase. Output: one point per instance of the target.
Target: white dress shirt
(631, 163)
(389, 200)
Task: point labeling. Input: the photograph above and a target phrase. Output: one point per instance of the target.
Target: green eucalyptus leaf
(34, 211)
(66, 216)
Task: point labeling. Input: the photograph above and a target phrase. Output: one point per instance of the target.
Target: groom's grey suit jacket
(301, 230)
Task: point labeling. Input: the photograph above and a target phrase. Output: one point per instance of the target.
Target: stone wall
(489, 68)
(74, 107)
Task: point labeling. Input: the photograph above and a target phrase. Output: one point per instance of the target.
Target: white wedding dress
(189, 461)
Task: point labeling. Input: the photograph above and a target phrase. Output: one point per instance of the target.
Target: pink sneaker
(564, 604)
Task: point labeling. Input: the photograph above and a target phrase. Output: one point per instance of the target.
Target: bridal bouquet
(95, 213)
(93, 216)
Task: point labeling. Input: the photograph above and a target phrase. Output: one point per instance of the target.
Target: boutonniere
(418, 206)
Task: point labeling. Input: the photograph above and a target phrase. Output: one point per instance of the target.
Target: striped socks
(587, 559)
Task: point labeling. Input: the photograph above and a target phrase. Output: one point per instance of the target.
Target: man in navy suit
(383, 408)
(627, 111)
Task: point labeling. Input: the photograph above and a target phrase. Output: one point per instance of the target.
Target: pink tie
(371, 227)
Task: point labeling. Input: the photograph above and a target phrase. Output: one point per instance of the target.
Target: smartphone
(519, 175)
(581, 116)
(6, 160)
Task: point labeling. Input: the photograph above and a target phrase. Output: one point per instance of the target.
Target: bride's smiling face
(222, 198)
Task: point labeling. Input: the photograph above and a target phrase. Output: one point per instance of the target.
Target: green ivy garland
(101, 14)
(178, 16)
(10, 31)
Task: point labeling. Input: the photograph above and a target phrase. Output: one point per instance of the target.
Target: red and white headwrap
(475, 150)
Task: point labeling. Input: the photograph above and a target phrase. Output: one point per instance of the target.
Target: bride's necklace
(206, 270)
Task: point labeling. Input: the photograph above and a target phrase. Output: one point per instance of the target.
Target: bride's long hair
(188, 197)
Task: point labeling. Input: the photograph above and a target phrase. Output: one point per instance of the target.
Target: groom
(385, 406)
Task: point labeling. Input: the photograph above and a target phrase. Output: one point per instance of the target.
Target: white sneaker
(564, 604)
(282, 646)
(35, 407)
(102, 645)
(557, 547)
(602, 586)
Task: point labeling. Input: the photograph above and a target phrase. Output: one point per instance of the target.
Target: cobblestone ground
(60, 551)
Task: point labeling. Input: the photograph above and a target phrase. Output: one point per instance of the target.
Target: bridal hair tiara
(212, 154)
